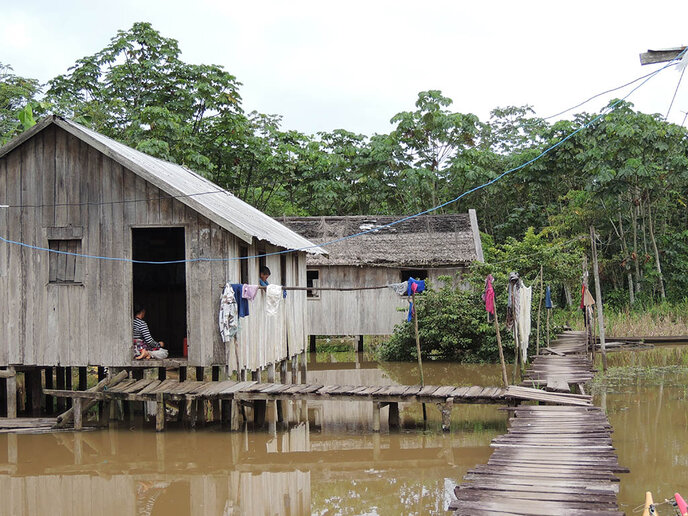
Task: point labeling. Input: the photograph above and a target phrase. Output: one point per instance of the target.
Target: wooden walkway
(230, 394)
(554, 459)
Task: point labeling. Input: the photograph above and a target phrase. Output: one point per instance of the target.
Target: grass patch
(656, 357)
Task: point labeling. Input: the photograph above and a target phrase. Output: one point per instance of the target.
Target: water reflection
(321, 464)
(647, 409)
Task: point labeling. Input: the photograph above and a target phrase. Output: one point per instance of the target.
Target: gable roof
(190, 188)
(425, 241)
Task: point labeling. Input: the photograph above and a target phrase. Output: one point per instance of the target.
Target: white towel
(272, 299)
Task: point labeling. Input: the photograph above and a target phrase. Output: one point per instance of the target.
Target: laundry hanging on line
(548, 298)
(273, 296)
(249, 292)
(489, 296)
(242, 303)
(229, 314)
(414, 287)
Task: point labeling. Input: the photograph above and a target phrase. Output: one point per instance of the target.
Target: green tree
(18, 100)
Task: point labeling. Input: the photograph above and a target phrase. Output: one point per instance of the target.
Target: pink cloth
(249, 291)
(489, 295)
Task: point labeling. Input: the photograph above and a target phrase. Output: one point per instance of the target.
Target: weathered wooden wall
(360, 312)
(56, 176)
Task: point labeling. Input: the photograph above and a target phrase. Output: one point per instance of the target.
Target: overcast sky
(324, 65)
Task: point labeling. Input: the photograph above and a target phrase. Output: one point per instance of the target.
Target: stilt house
(426, 247)
(66, 188)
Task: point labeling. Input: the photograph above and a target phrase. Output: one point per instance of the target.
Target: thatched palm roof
(426, 241)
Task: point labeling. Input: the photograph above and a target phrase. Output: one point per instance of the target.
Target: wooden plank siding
(362, 312)
(88, 322)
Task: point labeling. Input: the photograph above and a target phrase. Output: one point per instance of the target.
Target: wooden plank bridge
(554, 459)
(231, 394)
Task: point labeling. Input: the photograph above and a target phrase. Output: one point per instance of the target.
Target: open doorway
(161, 289)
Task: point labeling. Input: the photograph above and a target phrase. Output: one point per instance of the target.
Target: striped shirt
(142, 332)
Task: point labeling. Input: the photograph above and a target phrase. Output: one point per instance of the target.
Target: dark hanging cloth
(548, 298)
(414, 287)
(513, 303)
(241, 302)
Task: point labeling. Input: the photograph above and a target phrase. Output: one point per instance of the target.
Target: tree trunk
(654, 248)
(636, 260)
(624, 247)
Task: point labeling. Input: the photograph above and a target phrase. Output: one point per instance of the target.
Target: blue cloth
(548, 298)
(242, 303)
(420, 287)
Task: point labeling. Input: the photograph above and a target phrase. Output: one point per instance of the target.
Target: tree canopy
(626, 174)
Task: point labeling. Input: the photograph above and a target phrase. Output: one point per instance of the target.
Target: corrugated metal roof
(221, 206)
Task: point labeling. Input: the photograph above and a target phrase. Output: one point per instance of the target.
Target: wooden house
(102, 204)
(425, 247)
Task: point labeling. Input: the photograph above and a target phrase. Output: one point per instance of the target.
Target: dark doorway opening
(161, 289)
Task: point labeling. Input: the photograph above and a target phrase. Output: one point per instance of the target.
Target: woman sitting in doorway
(145, 347)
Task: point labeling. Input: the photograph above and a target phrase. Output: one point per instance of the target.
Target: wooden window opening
(313, 280)
(63, 267)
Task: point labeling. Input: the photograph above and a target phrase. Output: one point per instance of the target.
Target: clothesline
(222, 285)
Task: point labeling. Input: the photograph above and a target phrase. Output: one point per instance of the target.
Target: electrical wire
(666, 117)
(603, 93)
(499, 177)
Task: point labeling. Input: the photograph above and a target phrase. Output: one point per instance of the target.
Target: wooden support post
(502, 361)
(259, 407)
(548, 311)
(101, 373)
(215, 404)
(284, 378)
(446, 409)
(272, 416)
(60, 377)
(393, 416)
(3, 396)
(376, 416)
(182, 373)
(160, 413)
(11, 394)
(226, 407)
(49, 400)
(83, 378)
(255, 376)
(68, 384)
(312, 344)
(304, 367)
(200, 374)
(359, 349)
(271, 373)
(32, 384)
(537, 340)
(294, 369)
(162, 374)
(234, 415)
(420, 358)
(598, 292)
(137, 374)
(78, 423)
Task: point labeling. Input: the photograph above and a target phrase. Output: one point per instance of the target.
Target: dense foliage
(452, 325)
(627, 174)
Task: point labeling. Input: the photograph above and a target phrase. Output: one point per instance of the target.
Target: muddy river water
(330, 462)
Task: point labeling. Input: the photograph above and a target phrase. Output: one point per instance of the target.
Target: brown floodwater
(328, 462)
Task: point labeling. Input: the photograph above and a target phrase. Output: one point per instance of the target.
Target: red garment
(489, 295)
